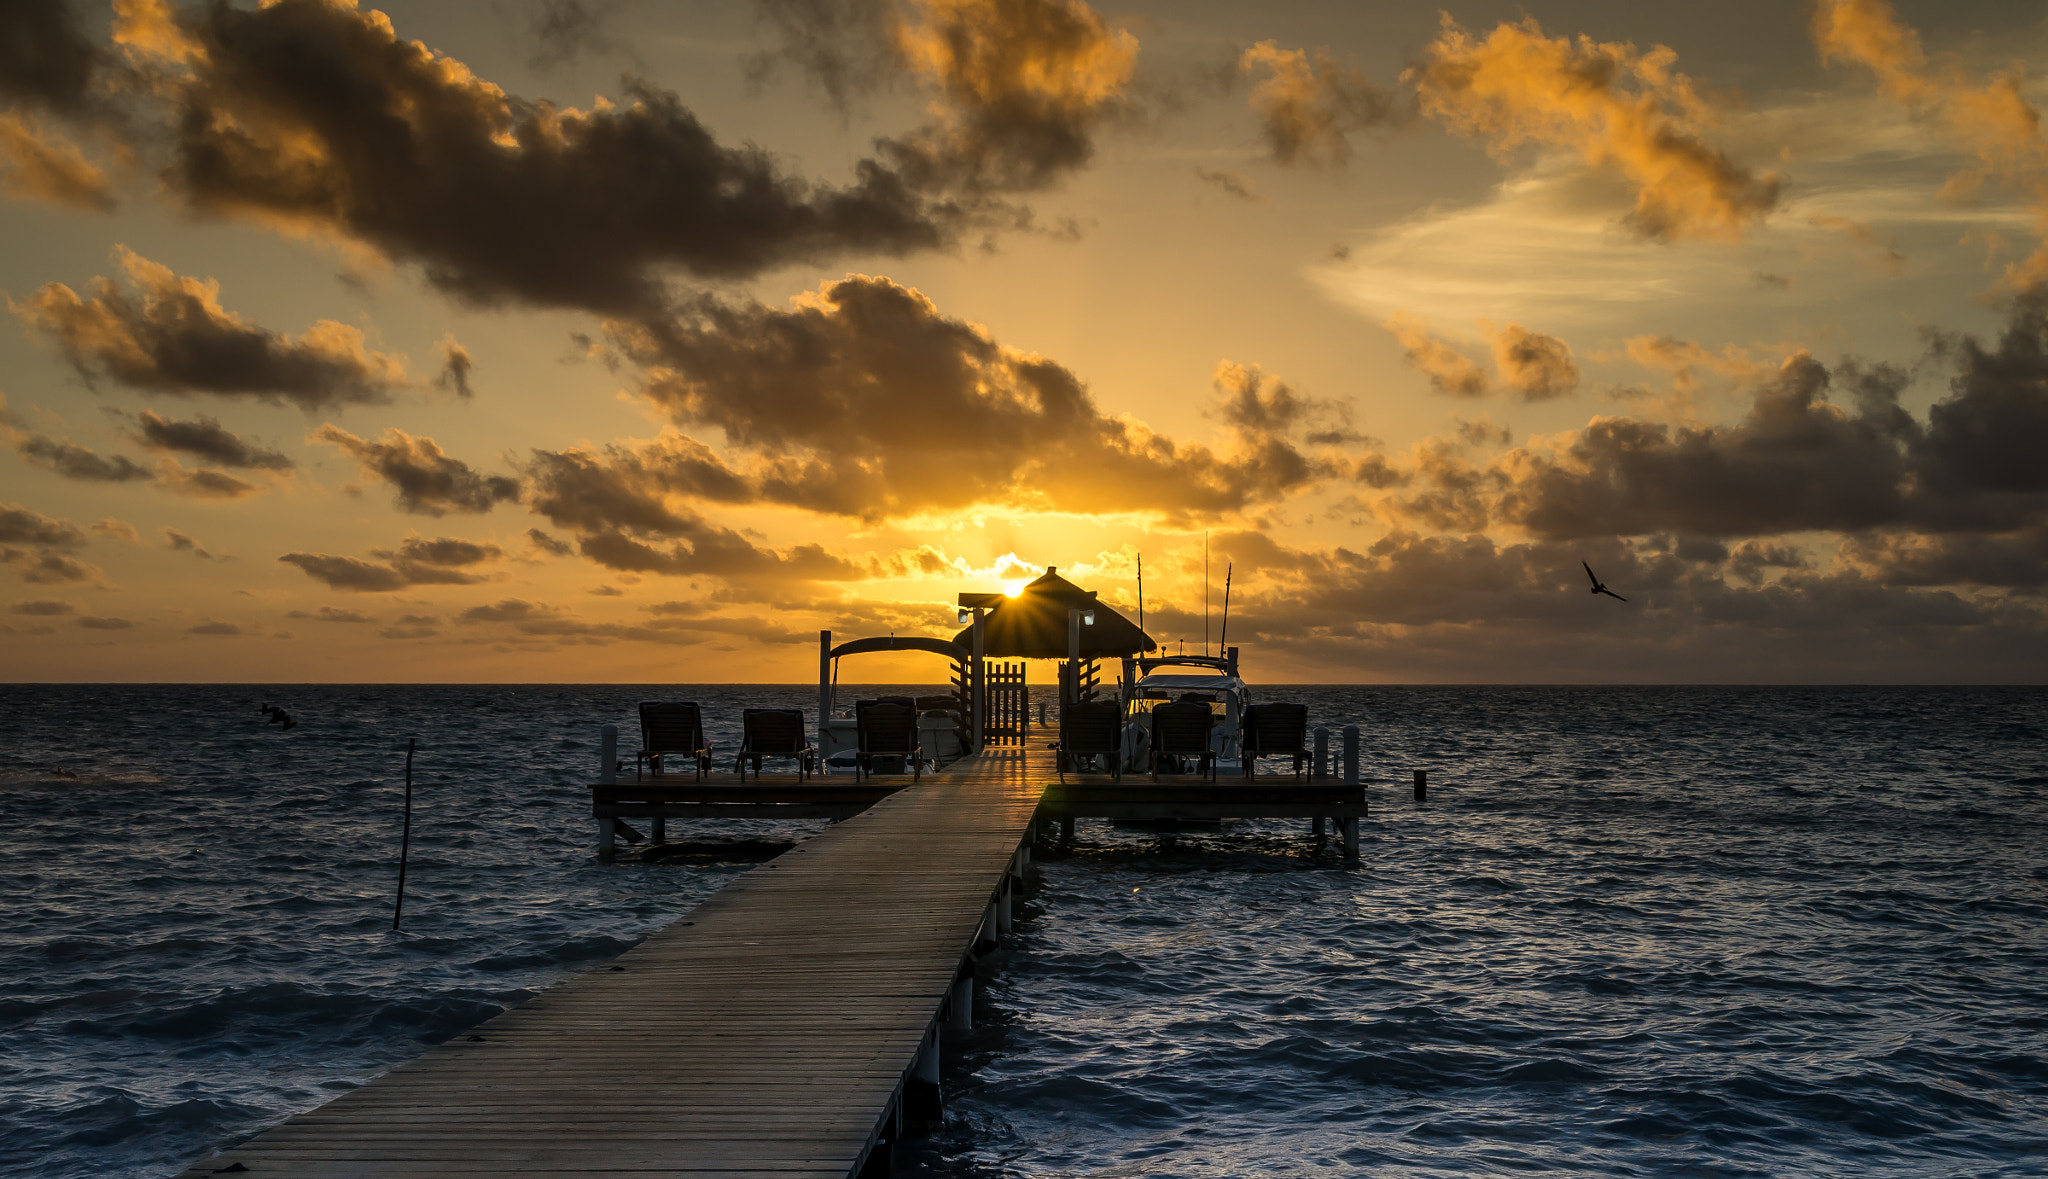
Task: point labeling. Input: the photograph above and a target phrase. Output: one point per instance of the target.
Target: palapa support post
(824, 691)
(979, 690)
(1422, 785)
(607, 774)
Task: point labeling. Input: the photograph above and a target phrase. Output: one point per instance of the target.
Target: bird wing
(1591, 574)
(1610, 593)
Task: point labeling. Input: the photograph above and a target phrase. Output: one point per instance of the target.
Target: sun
(1013, 588)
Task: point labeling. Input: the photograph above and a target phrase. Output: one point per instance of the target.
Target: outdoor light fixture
(963, 617)
(1088, 617)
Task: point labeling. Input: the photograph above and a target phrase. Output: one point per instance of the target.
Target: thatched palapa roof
(1033, 625)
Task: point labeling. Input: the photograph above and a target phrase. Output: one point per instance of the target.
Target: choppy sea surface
(1634, 931)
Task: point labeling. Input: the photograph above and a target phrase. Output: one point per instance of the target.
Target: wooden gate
(1007, 700)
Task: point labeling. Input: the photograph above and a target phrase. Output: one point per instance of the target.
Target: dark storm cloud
(206, 438)
(172, 336)
(315, 114)
(863, 400)
(428, 482)
(45, 58)
(416, 561)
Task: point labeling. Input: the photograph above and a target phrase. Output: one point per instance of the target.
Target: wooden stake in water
(404, 840)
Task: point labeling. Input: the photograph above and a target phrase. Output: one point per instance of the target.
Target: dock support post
(1316, 827)
(1322, 768)
(923, 1102)
(960, 1006)
(1351, 838)
(928, 1057)
(1422, 785)
(1005, 919)
(991, 932)
(607, 774)
(1351, 755)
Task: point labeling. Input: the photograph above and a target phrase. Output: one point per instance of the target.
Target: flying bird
(278, 716)
(1601, 589)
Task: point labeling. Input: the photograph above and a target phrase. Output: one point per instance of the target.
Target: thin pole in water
(404, 840)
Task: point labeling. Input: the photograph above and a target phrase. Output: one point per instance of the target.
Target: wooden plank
(766, 1034)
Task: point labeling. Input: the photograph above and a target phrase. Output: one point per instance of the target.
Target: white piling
(960, 1010)
(991, 928)
(608, 775)
(928, 1057)
(1005, 920)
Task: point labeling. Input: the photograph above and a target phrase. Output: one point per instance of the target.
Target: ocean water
(1634, 931)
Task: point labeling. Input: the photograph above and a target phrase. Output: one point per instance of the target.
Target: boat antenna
(1223, 642)
(1205, 593)
(1141, 591)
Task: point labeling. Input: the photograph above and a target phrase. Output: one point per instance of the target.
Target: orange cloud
(1449, 370)
(40, 168)
(1614, 105)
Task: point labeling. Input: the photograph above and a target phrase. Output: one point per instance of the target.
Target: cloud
(43, 609)
(47, 567)
(416, 561)
(19, 525)
(1991, 118)
(548, 544)
(312, 115)
(117, 531)
(546, 621)
(1237, 184)
(176, 338)
(203, 483)
(1449, 370)
(206, 438)
(331, 614)
(1887, 256)
(178, 542)
(427, 481)
(39, 166)
(1796, 462)
(1614, 106)
(455, 366)
(92, 622)
(1021, 86)
(1308, 110)
(863, 400)
(73, 461)
(1537, 367)
(565, 29)
(214, 628)
(45, 58)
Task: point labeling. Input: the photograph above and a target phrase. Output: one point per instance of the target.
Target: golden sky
(607, 340)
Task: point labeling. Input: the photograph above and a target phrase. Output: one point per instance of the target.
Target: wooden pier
(785, 1028)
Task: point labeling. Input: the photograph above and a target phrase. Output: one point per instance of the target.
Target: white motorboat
(1151, 681)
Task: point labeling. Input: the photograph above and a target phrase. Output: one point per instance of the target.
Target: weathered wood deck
(770, 1033)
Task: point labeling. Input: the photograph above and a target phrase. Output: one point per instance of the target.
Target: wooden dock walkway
(769, 1034)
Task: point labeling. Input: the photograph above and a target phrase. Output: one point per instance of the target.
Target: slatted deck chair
(886, 728)
(1181, 729)
(1090, 729)
(672, 729)
(1274, 730)
(774, 732)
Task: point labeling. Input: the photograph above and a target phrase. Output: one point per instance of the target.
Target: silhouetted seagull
(278, 716)
(1601, 589)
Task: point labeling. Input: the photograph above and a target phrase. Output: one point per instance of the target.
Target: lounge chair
(1274, 730)
(1181, 729)
(774, 732)
(1090, 729)
(668, 729)
(886, 728)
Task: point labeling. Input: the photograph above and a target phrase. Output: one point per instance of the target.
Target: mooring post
(1351, 755)
(1351, 837)
(1422, 785)
(608, 775)
(1322, 763)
